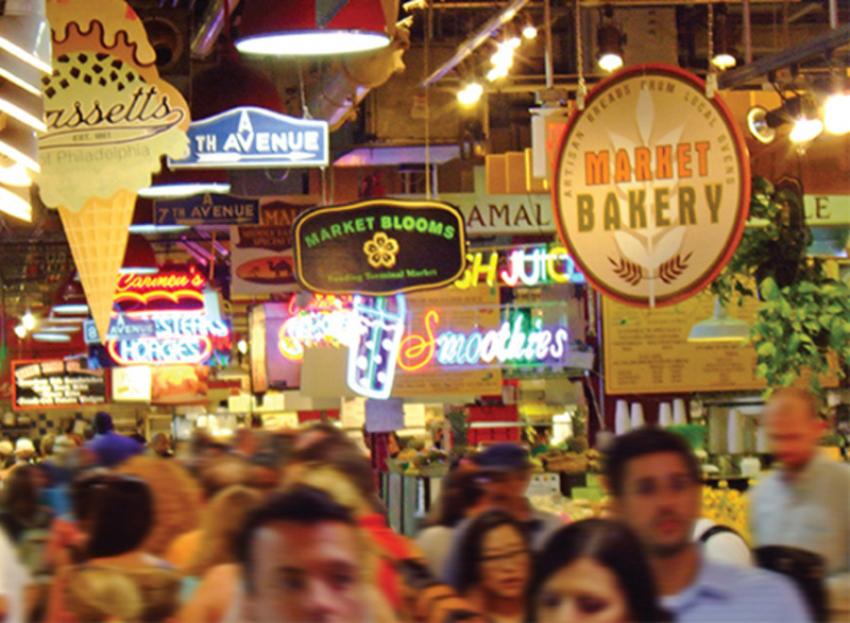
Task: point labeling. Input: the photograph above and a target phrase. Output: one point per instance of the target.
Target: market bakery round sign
(652, 186)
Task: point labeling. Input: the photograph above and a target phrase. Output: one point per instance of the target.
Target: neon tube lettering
(522, 267)
(513, 343)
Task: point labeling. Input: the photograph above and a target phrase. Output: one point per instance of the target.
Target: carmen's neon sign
(528, 267)
(174, 286)
(516, 342)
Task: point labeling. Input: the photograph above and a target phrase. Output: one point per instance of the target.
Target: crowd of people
(290, 527)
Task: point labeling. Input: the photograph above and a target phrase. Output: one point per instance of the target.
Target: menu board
(647, 350)
(56, 384)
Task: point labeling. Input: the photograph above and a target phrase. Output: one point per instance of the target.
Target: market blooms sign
(379, 247)
(651, 186)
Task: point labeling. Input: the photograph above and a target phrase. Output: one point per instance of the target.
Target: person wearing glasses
(495, 567)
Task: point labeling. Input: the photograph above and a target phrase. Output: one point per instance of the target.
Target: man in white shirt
(14, 581)
(806, 502)
(654, 480)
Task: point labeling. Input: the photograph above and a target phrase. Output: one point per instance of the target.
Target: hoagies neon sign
(181, 337)
(516, 342)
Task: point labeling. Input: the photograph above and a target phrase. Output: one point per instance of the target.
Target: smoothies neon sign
(520, 267)
(517, 342)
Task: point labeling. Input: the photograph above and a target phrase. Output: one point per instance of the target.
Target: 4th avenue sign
(379, 247)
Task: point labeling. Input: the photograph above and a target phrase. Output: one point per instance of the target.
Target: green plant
(803, 319)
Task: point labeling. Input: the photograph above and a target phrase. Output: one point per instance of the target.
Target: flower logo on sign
(381, 251)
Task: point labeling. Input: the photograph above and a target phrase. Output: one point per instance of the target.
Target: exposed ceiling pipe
(212, 23)
(346, 82)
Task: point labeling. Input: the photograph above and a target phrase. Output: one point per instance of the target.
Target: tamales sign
(652, 186)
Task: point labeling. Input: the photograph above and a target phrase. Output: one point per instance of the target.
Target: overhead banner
(56, 384)
(261, 255)
(249, 137)
(379, 247)
(207, 209)
(652, 186)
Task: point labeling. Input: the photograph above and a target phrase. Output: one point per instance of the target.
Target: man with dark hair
(805, 504)
(654, 480)
(109, 447)
(303, 560)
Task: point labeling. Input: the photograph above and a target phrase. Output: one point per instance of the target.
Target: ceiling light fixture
(529, 31)
(29, 321)
(25, 34)
(720, 327)
(57, 338)
(14, 174)
(470, 94)
(762, 123)
(836, 113)
(16, 202)
(609, 41)
(168, 184)
(724, 57)
(310, 28)
(21, 331)
(806, 125)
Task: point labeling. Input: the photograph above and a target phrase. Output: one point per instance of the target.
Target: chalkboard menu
(56, 384)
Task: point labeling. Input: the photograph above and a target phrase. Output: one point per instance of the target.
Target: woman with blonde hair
(212, 573)
(98, 595)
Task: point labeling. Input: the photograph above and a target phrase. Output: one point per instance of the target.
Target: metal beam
(476, 40)
(791, 56)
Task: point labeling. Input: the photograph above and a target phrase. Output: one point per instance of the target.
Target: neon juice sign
(526, 266)
(517, 342)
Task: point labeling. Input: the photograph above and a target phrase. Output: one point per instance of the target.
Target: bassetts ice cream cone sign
(652, 186)
(110, 118)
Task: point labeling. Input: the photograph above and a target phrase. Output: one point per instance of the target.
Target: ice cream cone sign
(109, 119)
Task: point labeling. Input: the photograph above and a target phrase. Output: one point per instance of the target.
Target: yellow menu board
(647, 350)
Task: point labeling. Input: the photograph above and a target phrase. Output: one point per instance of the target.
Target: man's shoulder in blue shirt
(730, 594)
(112, 448)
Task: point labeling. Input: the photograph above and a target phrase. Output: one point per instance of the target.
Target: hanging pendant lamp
(312, 27)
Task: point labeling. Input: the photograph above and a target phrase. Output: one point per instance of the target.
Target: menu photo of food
(180, 384)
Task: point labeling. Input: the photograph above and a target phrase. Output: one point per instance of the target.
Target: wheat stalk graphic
(654, 246)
